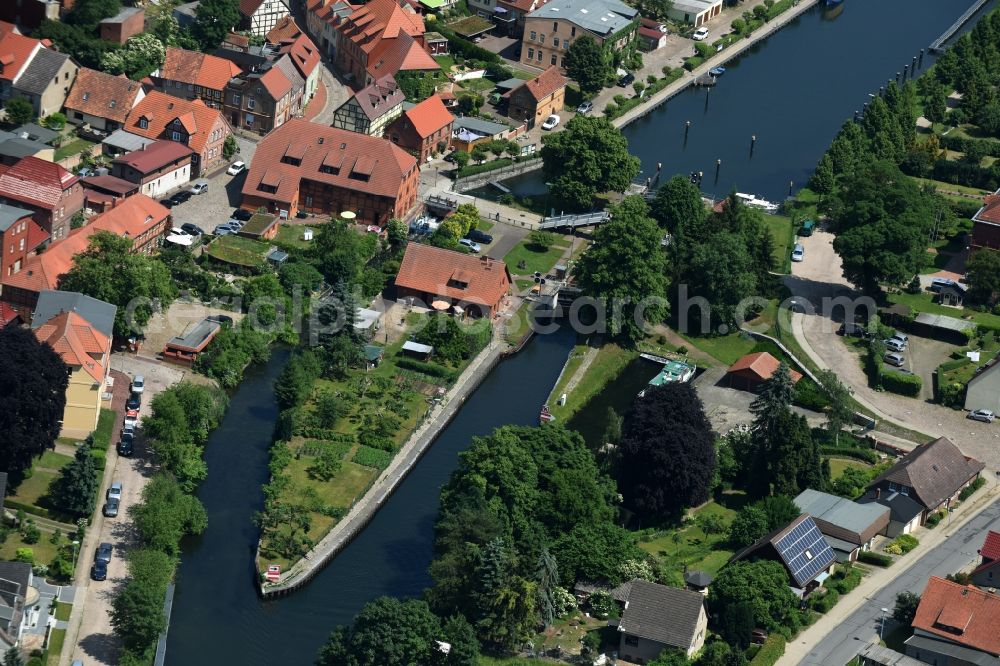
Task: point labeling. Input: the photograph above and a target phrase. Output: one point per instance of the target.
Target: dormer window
(112, 104)
(294, 161)
(143, 123)
(86, 96)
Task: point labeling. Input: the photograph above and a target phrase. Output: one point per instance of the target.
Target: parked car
(84, 172)
(103, 553)
(479, 236)
(138, 384)
(223, 229)
(586, 107)
(99, 571)
(181, 197)
(894, 345)
(115, 490)
(798, 252)
(236, 225)
(110, 509)
(134, 401)
(852, 329)
(192, 229)
(892, 358)
(236, 167)
(199, 187)
(167, 203)
(125, 448)
(131, 418)
(128, 431)
(626, 80)
(474, 247)
(700, 34)
(241, 214)
(900, 337)
(550, 122)
(984, 415)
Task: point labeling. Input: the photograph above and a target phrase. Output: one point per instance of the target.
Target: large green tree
(677, 203)
(180, 421)
(625, 269)
(75, 490)
(588, 158)
(137, 606)
(167, 514)
(141, 55)
(19, 110)
(588, 64)
(33, 397)
(213, 21)
(667, 452)
(984, 276)
(763, 585)
(135, 283)
(390, 632)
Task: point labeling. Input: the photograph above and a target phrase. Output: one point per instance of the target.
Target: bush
(971, 488)
(934, 519)
(877, 559)
(902, 383)
(906, 543)
(474, 169)
(821, 603)
(369, 457)
(432, 369)
(693, 62)
(844, 579)
(770, 652)
(808, 395)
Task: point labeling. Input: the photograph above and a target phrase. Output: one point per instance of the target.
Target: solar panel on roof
(805, 552)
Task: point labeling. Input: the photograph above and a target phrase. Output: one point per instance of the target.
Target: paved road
(821, 275)
(861, 626)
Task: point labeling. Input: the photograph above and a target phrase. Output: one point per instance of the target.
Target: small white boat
(763, 204)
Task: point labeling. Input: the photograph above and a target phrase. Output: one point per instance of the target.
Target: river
(792, 91)
(217, 616)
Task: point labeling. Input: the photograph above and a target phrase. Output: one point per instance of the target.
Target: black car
(181, 197)
(103, 553)
(99, 571)
(241, 215)
(627, 80)
(134, 401)
(167, 203)
(479, 236)
(192, 229)
(125, 448)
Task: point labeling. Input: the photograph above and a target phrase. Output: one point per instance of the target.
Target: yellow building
(551, 29)
(80, 329)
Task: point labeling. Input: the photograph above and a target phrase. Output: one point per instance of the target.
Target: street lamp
(75, 544)
(881, 630)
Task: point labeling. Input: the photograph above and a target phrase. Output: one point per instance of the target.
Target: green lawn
(781, 230)
(535, 261)
(923, 302)
(606, 366)
(291, 236)
(691, 546)
(727, 349)
(53, 460)
(237, 250)
(44, 551)
(470, 25)
(54, 650)
(445, 61)
(484, 225)
(70, 148)
(30, 491)
(838, 465)
(63, 610)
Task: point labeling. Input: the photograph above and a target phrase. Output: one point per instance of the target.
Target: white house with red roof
(260, 16)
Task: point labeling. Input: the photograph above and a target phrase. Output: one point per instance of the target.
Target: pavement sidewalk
(798, 649)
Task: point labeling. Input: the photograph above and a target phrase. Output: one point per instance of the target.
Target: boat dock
(938, 43)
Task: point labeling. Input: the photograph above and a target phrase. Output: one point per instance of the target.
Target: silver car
(984, 415)
(892, 358)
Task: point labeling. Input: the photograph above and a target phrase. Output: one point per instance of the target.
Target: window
(78, 115)
(534, 35)
(294, 161)
(309, 200)
(562, 62)
(112, 104)
(249, 120)
(555, 27)
(237, 98)
(22, 245)
(143, 123)
(539, 55)
(541, 38)
(251, 102)
(555, 42)
(572, 31)
(175, 136)
(632, 640)
(531, 54)
(553, 59)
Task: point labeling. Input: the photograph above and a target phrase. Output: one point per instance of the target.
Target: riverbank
(712, 62)
(382, 488)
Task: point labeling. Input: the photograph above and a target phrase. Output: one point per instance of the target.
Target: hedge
(902, 383)
(864, 455)
(778, 8)
(971, 488)
(369, 457)
(808, 395)
(459, 45)
(492, 165)
(27, 508)
(878, 559)
(432, 369)
(821, 603)
(325, 434)
(693, 62)
(770, 652)
(961, 144)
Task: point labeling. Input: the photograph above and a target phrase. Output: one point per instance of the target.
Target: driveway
(224, 194)
(820, 276)
(728, 408)
(90, 637)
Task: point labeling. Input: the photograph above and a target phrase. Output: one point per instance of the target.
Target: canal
(792, 91)
(217, 616)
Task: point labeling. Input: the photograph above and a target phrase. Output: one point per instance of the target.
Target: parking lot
(215, 206)
(95, 642)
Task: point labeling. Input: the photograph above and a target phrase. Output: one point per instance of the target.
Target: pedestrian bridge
(574, 221)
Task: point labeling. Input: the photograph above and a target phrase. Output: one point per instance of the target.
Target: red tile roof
(990, 212)
(761, 364)
(964, 615)
(651, 33)
(75, 340)
(7, 314)
(304, 54)
(36, 182)
(991, 546)
(130, 218)
(15, 52)
(160, 109)
(102, 95)
(198, 69)
(155, 156)
(276, 83)
(441, 272)
(249, 7)
(429, 116)
(320, 144)
(284, 29)
(402, 53)
(370, 24)
(546, 83)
